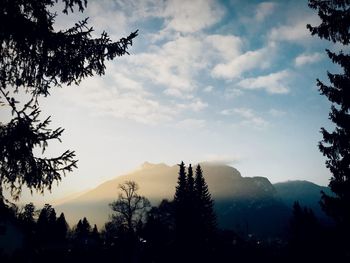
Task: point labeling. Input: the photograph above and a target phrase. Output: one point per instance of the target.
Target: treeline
(181, 230)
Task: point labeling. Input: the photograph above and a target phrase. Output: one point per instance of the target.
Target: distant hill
(306, 193)
(245, 204)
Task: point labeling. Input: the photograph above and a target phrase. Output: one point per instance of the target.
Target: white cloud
(105, 16)
(195, 105)
(248, 116)
(231, 93)
(103, 98)
(227, 47)
(208, 89)
(304, 59)
(263, 10)
(190, 16)
(222, 158)
(173, 66)
(295, 32)
(234, 68)
(191, 124)
(274, 83)
(176, 65)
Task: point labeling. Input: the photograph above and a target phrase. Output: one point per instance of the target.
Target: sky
(225, 81)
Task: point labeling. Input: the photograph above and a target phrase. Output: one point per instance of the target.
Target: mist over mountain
(245, 204)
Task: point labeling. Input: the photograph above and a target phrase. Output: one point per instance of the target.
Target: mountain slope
(306, 193)
(246, 204)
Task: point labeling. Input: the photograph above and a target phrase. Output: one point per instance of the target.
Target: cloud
(274, 83)
(227, 47)
(189, 16)
(172, 66)
(191, 124)
(176, 65)
(263, 10)
(248, 116)
(231, 93)
(195, 105)
(222, 158)
(234, 68)
(304, 59)
(277, 113)
(112, 96)
(208, 89)
(295, 32)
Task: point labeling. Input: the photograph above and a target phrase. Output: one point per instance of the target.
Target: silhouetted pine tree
(191, 209)
(204, 205)
(335, 27)
(46, 224)
(180, 202)
(180, 193)
(190, 182)
(27, 216)
(305, 233)
(61, 228)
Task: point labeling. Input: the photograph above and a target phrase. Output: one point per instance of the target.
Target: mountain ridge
(238, 199)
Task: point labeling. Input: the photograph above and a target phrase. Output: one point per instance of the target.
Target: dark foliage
(335, 26)
(34, 58)
(205, 206)
(195, 222)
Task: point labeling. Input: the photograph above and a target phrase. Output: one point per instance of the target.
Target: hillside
(239, 201)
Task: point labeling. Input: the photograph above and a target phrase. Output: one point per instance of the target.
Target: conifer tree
(46, 223)
(335, 27)
(190, 181)
(34, 57)
(95, 234)
(82, 230)
(180, 202)
(204, 204)
(27, 219)
(180, 193)
(61, 227)
(27, 216)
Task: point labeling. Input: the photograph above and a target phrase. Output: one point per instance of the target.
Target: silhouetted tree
(181, 206)
(82, 232)
(130, 207)
(129, 211)
(34, 58)
(27, 220)
(204, 204)
(180, 193)
(190, 181)
(305, 233)
(95, 235)
(335, 27)
(61, 228)
(27, 215)
(159, 232)
(303, 224)
(46, 224)
(195, 221)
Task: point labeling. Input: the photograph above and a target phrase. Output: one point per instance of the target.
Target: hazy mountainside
(247, 204)
(307, 193)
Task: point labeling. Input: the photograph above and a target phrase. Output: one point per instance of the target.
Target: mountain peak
(148, 165)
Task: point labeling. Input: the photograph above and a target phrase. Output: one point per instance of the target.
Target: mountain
(306, 193)
(245, 204)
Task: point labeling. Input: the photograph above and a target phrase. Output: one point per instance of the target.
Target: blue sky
(225, 81)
